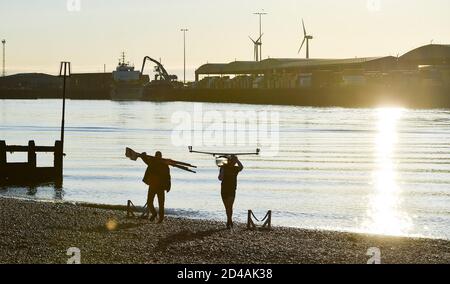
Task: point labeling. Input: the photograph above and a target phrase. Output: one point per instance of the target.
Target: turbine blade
(259, 39)
(252, 40)
(304, 29)
(301, 46)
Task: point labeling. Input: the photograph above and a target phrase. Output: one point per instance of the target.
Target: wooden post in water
(32, 163)
(2, 161)
(58, 161)
(64, 71)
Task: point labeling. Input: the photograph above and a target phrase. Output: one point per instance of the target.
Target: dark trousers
(161, 198)
(228, 197)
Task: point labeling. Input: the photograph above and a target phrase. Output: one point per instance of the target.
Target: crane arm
(161, 68)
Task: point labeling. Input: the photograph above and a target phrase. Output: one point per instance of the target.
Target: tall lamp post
(260, 14)
(184, 52)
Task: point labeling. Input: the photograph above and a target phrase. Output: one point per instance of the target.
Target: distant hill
(30, 80)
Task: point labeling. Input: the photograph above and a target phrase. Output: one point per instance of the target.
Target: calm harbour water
(384, 171)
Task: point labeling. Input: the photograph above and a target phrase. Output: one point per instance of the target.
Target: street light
(184, 51)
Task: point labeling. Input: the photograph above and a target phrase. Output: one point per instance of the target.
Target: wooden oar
(184, 168)
(133, 155)
(224, 154)
(179, 163)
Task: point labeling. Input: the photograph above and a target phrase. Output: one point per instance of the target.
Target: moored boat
(128, 84)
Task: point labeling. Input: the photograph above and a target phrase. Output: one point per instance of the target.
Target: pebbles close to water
(37, 232)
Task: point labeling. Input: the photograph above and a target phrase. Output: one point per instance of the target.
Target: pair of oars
(133, 155)
(214, 154)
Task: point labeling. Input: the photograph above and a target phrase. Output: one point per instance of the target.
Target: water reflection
(31, 191)
(59, 193)
(39, 191)
(385, 212)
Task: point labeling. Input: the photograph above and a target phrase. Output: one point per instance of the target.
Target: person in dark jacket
(157, 177)
(228, 175)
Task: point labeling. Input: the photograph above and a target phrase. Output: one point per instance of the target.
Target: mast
(122, 58)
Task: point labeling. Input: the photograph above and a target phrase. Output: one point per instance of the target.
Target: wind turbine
(257, 44)
(306, 39)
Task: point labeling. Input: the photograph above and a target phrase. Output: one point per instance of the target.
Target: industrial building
(429, 63)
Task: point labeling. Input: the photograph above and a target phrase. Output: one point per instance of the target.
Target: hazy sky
(41, 33)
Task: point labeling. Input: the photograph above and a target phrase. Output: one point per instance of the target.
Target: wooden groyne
(28, 172)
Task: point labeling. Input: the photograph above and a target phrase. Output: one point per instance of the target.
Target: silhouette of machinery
(161, 76)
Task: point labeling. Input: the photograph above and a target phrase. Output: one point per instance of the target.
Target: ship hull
(126, 93)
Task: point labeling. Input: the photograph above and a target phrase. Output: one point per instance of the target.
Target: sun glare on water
(385, 214)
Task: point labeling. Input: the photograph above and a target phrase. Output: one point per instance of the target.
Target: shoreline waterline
(170, 212)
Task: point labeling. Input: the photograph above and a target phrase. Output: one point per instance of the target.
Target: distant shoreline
(39, 232)
(415, 97)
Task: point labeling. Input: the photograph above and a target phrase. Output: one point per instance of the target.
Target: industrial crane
(161, 73)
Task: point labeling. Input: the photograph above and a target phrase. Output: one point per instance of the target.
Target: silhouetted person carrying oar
(157, 177)
(230, 167)
(228, 175)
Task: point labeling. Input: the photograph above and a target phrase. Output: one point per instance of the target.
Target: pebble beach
(41, 233)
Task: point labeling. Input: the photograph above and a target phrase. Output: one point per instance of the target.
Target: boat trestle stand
(132, 209)
(267, 225)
